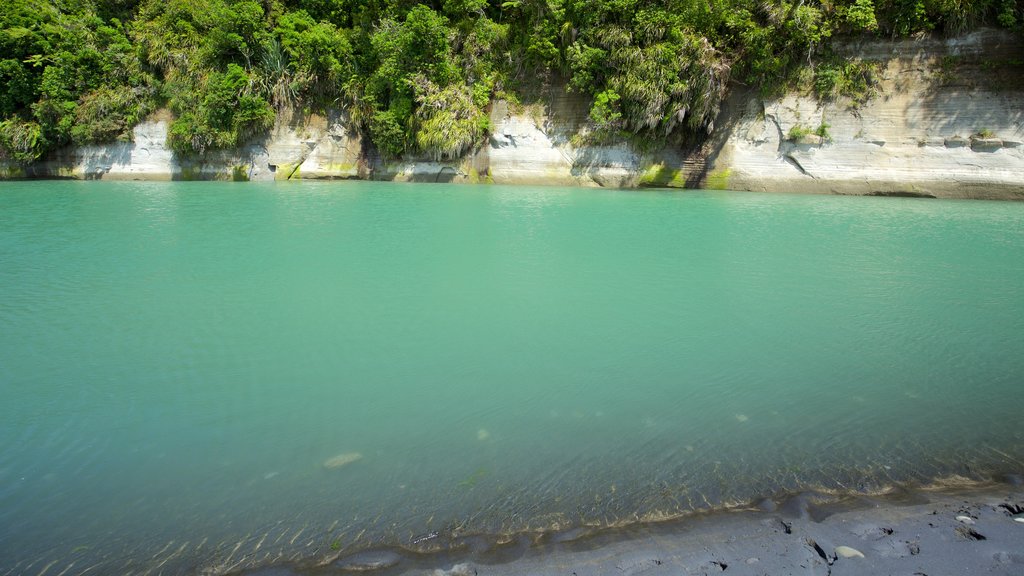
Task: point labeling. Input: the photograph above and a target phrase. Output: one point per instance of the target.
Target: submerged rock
(342, 459)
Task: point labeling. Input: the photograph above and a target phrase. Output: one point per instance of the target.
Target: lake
(213, 377)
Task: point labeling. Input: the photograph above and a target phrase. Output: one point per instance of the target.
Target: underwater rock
(342, 459)
(847, 552)
(482, 434)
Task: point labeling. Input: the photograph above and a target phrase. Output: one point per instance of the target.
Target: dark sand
(929, 533)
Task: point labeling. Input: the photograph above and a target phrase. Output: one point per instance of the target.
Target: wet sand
(921, 533)
(884, 538)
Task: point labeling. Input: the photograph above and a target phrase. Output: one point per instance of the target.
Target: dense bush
(418, 76)
(67, 76)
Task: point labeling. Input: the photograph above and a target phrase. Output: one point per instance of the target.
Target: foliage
(853, 78)
(448, 121)
(418, 76)
(320, 55)
(861, 16)
(227, 114)
(21, 140)
(798, 131)
(605, 111)
(66, 78)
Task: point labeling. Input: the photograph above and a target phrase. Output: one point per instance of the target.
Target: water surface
(179, 360)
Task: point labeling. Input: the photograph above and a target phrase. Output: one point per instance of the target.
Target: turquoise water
(179, 360)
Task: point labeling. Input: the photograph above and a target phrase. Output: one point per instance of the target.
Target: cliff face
(947, 121)
(316, 147)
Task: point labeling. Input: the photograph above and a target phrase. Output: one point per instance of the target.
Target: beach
(926, 532)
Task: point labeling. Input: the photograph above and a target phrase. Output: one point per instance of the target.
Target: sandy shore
(922, 533)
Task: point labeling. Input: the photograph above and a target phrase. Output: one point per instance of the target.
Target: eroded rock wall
(948, 121)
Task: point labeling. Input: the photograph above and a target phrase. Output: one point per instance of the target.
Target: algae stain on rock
(662, 176)
(718, 179)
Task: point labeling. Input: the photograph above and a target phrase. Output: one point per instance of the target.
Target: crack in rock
(796, 164)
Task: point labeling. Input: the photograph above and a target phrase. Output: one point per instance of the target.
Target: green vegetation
(854, 79)
(418, 77)
(719, 179)
(798, 131)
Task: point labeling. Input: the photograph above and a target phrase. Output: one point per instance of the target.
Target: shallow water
(178, 361)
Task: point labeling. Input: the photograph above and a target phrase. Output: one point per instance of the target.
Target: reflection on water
(214, 377)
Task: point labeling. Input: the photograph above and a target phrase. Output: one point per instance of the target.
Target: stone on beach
(847, 552)
(342, 459)
(457, 570)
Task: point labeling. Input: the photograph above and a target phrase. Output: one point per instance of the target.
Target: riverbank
(943, 120)
(926, 532)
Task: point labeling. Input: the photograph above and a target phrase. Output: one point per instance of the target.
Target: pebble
(847, 552)
(965, 519)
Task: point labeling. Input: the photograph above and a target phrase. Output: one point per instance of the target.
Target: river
(213, 377)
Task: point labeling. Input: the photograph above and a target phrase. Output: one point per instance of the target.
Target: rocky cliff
(947, 120)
